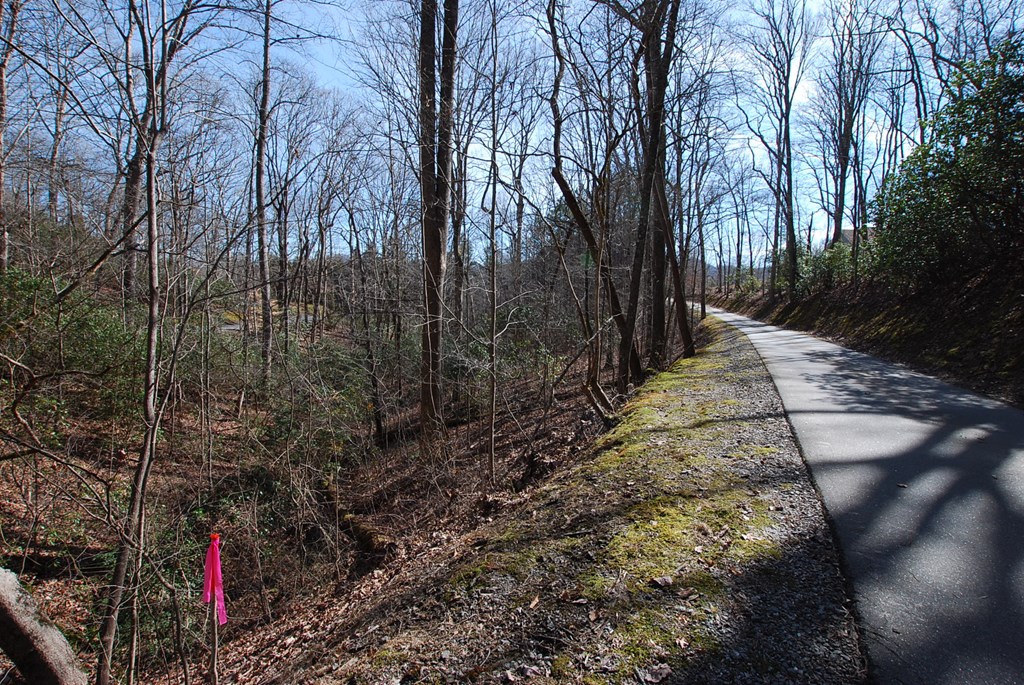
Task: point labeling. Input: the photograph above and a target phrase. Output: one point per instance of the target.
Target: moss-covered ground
(616, 569)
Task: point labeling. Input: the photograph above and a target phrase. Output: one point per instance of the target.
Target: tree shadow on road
(947, 499)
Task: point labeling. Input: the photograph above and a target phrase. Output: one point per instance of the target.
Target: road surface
(924, 483)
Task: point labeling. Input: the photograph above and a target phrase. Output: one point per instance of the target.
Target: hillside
(687, 546)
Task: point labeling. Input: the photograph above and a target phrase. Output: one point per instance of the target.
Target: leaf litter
(688, 546)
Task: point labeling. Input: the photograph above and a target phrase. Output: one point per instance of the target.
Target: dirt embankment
(971, 335)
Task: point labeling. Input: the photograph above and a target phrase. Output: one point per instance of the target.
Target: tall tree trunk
(678, 289)
(571, 201)
(157, 52)
(9, 29)
(376, 401)
(435, 143)
(132, 534)
(842, 170)
(458, 218)
(262, 237)
(791, 241)
(739, 252)
(517, 236)
(657, 61)
(702, 252)
(129, 205)
(282, 283)
(661, 226)
(492, 234)
(773, 285)
(52, 176)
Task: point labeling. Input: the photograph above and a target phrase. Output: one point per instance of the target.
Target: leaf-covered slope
(690, 547)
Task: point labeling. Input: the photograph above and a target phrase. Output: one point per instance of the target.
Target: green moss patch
(621, 564)
(641, 538)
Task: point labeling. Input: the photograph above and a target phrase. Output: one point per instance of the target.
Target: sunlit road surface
(924, 483)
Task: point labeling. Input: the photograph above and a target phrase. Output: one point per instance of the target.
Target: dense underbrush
(312, 483)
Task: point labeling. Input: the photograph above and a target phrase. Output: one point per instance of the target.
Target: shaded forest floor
(292, 529)
(686, 545)
(971, 334)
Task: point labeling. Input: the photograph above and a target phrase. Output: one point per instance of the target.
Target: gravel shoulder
(688, 546)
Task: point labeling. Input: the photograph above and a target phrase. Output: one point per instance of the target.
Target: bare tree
(260, 165)
(595, 245)
(779, 45)
(656, 22)
(436, 117)
(699, 132)
(845, 82)
(9, 12)
(161, 36)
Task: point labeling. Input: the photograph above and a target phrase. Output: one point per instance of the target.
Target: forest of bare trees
(249, 249)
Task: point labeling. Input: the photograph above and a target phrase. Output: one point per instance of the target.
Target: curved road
(924, 483)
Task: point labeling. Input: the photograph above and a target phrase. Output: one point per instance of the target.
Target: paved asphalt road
(925, 485)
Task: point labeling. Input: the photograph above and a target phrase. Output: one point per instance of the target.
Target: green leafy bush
(750, 285)
(956, 204)
(71, 357)
(827, 269)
